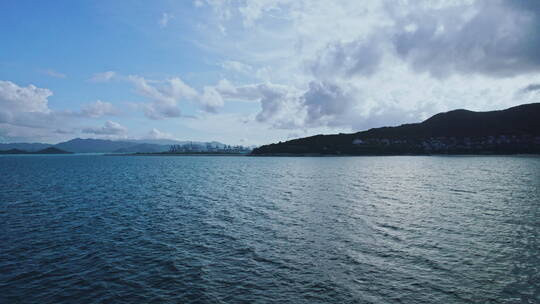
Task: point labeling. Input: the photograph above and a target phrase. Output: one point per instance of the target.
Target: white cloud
(328, 104)
(165, 96)
(157, 134)
(211, 100)
(25, 114)
(103, 77)
(346, 65)
(236, 66)
(53, 73)
(17, 133)
(14, 98)
(317, 65)
(345, 59)
(280, 104)
(533, 87)
(494, 38)
(64, 131)
(164, 20)
(109, 128)
(232, 128)
(198, 3)
(98, 109)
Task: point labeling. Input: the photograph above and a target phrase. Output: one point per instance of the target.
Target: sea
(211, 229)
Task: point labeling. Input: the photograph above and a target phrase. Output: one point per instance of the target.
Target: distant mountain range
(49, 150)
(24, 146)
(79, 145)
(514, 130)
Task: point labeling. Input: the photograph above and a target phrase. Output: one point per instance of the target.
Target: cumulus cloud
(279, 103)
(321, 104)
(327, 103)
(346, 59)
(165, 96)
(211, 100)
(157, 134)
(533, 87)
(25, 115)
(98, 109)
(14, 98)
(251, 92)
(103, 77)
(496, 38)
(24, 107)
(64, 131)
(343, 65)
(109, 128)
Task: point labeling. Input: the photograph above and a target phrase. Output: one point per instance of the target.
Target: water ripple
(96, 229)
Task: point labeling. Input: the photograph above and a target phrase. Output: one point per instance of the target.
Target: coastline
(176, 154)
(317, 155)
(387, 155)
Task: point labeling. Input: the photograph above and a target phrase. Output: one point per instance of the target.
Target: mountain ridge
(91, 145)
(49, 150)
(513, 130)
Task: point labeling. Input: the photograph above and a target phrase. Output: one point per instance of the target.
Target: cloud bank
(109, 128)
(350, 66)
(301, 67)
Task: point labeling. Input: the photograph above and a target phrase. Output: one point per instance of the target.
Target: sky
(253, 72)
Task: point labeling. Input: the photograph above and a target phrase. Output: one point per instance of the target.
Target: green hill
(514, 130)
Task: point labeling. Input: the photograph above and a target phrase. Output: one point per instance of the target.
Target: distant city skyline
(256, 71)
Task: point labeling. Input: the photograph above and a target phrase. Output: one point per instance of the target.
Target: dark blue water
(98, 229)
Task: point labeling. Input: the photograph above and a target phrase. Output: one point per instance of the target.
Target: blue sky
(255, 72)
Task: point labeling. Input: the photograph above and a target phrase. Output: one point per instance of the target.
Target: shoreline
(385, 155)
(175, 154)
(315, 155)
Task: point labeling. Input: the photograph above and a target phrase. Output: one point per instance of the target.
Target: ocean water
(98, 229)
